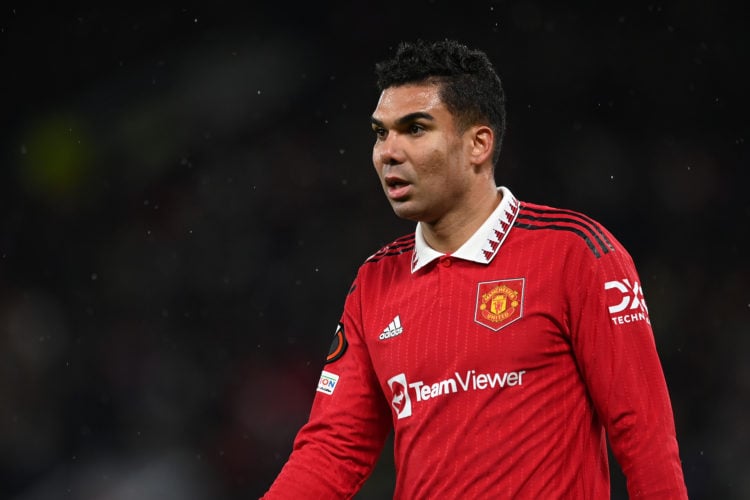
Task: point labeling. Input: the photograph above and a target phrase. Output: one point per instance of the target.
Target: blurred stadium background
(186, 193)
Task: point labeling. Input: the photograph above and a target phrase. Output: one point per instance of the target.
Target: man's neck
(453, 230)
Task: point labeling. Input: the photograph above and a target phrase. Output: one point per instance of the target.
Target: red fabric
(513, 370)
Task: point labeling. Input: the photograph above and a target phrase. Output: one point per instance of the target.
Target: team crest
(499, 303)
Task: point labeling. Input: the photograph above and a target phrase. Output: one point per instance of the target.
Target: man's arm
(336, 450)
(615, 349)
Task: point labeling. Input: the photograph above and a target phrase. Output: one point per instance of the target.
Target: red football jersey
(499, 367)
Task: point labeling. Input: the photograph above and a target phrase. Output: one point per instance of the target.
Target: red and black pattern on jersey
(397, 247)
(555, 219)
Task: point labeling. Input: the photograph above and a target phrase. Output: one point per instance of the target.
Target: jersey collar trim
(483, 245)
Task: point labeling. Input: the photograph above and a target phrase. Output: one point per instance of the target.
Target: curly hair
(468, 84)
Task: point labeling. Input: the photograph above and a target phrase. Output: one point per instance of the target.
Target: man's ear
(482, 144)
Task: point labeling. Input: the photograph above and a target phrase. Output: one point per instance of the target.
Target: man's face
(419, 155)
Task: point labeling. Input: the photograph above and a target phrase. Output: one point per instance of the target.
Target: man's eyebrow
(411, 117)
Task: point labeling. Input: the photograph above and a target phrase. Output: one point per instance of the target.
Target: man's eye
(380, 132)
(415, 129)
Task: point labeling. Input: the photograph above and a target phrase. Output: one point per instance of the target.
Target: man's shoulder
(398, 247)
(539, 210)
(571, 225)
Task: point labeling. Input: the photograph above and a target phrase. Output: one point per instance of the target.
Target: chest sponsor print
(406, 395)
(499, 303)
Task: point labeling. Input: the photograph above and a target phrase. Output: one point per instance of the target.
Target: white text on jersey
(631, 303)
(468, 381)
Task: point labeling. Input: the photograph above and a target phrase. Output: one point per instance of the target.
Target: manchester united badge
(499, 303)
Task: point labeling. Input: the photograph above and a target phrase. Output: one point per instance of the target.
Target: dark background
(186, 194)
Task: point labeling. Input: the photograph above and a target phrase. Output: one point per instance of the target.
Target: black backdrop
(186, 193)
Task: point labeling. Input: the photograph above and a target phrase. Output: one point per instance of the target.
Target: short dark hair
(468, 84)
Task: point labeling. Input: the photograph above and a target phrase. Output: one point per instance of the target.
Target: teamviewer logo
(400, 400)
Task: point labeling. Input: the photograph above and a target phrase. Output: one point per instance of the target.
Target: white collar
(483, 245)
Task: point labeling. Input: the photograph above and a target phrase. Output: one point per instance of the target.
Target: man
(502, 341)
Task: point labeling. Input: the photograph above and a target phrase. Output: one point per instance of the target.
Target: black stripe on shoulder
(589, 223)
(397, 247)
(561, 228)
(566, 220)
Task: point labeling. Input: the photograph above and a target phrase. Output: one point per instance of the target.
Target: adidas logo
(394, 328)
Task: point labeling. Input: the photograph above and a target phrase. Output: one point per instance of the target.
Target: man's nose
(389, 150)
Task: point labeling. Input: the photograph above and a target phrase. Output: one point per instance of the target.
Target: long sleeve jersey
(501, 368)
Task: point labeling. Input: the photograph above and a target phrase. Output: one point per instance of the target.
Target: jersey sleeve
(336, 450)
(616, 353)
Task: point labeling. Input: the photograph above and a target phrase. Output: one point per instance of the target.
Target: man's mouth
(397, 188)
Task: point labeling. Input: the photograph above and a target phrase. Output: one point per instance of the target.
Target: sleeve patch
(338, 346)
(626, 303)
(327, 383)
